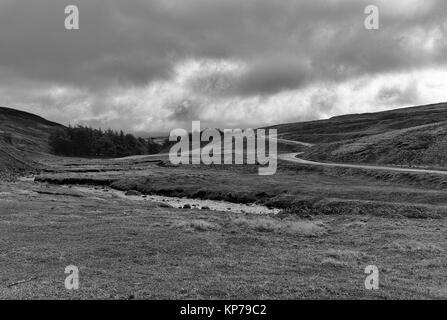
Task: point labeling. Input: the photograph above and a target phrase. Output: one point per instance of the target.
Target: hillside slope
(424, 146)
(22, 136)
(415, 136)
(355, 126)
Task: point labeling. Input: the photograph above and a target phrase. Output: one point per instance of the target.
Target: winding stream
(176, 202)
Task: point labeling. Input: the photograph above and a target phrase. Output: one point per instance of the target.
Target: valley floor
(332, 225)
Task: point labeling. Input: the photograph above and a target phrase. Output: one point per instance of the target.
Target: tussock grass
(196, 225)
(414, 246)
(343, 257)
(345, 254)
(304, 228)
(333, 262)
(359, 207)
(190, 259)
(355, 224)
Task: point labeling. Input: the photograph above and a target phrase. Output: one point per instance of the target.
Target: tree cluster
(81, 141)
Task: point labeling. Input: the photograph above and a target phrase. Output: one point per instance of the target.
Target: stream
(176, 202)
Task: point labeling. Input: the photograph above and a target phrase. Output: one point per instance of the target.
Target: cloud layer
(153, 65)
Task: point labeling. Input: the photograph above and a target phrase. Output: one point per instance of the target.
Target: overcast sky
(155, 65)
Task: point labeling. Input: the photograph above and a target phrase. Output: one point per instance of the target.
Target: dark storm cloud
(110, 45)
(264, 76)
(139, 40)
(282, 45)
(271, 76)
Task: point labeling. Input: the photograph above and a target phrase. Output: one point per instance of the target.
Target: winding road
(293, 157)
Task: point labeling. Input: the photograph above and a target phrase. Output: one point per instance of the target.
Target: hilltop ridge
(354, 126)
(412, 136)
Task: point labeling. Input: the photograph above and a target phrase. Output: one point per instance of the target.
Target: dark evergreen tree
(83, 141)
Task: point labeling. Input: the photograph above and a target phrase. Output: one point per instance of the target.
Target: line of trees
(83, 141)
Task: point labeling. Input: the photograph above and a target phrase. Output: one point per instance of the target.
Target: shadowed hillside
(22, 136)
(26, 140)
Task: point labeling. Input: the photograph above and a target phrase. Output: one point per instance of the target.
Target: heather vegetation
(422, 146)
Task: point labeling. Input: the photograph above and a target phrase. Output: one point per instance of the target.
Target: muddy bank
(75, 180)
(117, 182)
(90, 186)
(264, 202)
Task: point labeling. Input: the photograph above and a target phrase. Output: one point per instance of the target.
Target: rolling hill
(23, 136)
(415, 136)
(355, 126)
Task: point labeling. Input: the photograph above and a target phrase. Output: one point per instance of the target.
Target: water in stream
(176, 202)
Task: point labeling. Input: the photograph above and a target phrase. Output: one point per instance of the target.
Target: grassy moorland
(297, 189)
(421, 146)
(354, 126)
(404, 137)
(23, 136)
(336, 225)
(333, 223)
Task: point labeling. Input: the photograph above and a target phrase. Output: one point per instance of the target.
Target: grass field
(333, 227)
(319, 229)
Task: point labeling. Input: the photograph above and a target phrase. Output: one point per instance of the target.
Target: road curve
(290, 142)
(292, 157)
(157, 155)
(285, 141)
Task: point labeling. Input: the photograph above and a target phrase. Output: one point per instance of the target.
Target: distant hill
(415, 136)
(354, 126)
(22, 136)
